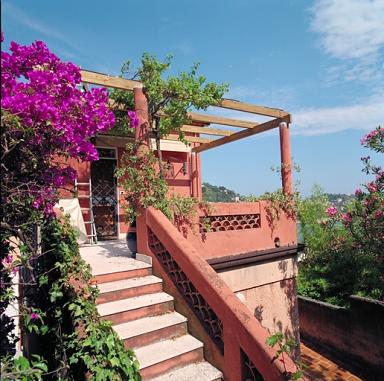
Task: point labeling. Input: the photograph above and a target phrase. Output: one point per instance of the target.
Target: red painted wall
(178, 181)
(222, 243)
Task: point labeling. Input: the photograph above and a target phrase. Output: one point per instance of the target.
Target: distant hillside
(212, 193)
(340, 200)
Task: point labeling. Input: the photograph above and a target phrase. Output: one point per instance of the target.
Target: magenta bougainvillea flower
(34, 316)
(57, 117)
(134, 120)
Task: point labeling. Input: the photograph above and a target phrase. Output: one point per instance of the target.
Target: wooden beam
(219, 120)
(206, 130)
(108, 81)
(254, 109)
(190, 139)
(240, 135)
(128, 84)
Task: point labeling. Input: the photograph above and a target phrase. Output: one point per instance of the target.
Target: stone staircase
(144, 318)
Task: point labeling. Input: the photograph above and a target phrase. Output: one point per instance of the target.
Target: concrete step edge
(201, 371)
(133, 303)
(148, 324)
(124, 284)
(162, 351)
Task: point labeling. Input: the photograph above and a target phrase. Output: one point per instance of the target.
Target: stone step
(163, 356)
(201, 371)
(125, 310)
(148, 330)
(121, 275)
(127, 288)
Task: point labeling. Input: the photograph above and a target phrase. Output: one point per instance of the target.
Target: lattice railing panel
(250, 373)
(229, 222)
(208, 318)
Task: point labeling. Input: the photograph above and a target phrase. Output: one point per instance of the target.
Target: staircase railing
(238, 335)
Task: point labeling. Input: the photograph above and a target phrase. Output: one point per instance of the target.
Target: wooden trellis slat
(190, 139)
(254, 109)
(221, 120)
(240, 135)
(108, 81)
(206, 130)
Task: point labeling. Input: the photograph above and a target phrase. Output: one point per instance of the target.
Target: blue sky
(321, 60)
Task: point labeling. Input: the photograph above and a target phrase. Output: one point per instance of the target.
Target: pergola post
(142, 138)
(141, 109)
(286, 164)
(195, 180)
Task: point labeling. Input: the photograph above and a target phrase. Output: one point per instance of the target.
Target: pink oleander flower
(358, 192)
(331, 211)
(379, 214)
(367, 138)
(346, 217)
(372, 187)
(34, 316)
(133, 119)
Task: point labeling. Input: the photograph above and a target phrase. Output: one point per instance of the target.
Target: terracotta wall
(178, 181)
(355, 335)
(269, 290)
(229, 242)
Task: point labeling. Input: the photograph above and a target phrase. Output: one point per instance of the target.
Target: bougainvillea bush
(345, 250)
(47, 118)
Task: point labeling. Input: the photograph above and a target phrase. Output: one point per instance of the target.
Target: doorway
(104, 194)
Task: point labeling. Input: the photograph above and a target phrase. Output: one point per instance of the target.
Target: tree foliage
(345, 250)
(170, 98)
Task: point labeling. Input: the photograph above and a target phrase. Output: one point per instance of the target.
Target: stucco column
(193, 175)
(141, 109)
(198, 178)
(141, 137)
(286, 164)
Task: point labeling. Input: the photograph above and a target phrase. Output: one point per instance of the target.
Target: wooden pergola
(200, 122)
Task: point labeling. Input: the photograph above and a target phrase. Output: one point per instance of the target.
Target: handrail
(241, 330)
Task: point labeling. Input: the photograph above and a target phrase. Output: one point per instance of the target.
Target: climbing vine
(278, 202)
(285, 347)
(46, 118)
(143, 187)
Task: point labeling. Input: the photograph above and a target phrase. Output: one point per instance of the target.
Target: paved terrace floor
(109, 256)
(319, 368)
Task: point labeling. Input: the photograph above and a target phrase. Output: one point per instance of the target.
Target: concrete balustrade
(241, 330)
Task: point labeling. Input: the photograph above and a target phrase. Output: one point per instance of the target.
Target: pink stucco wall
(223, 243)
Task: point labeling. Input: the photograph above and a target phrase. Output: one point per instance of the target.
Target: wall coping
(258, 256)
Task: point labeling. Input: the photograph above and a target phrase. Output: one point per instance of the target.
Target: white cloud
(352, 30)
(21, 17)
(363, 116)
